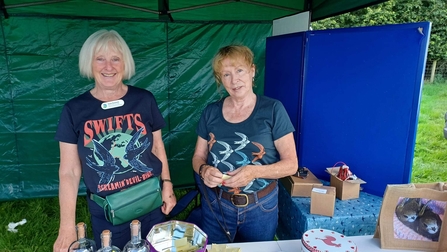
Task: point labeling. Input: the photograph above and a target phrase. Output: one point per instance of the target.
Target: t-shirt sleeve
(158, 121)
(282, 124)
(201, 129)
(65, 129)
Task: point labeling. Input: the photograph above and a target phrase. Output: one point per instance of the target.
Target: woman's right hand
(212, 177)
(64, 240)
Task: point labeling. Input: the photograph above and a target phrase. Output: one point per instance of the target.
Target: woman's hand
(168, 197)
(64, 240)
(240, 177)
(211, 176)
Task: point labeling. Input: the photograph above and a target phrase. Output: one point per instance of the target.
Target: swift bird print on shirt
(227, 152)
(211, 141)
(244, 160)
(260, 154)
(107, 170)
(241, 143)
(133, 150)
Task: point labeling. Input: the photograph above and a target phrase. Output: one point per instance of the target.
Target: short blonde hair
(234, 52)
(105, 40)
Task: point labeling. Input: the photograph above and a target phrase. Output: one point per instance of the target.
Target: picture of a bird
(416, 214)
(211, 141)
(243, 142)
(260, 153)
(429, 224)
(329, 240)
(407, 211)
(107, 170)
(133, 150)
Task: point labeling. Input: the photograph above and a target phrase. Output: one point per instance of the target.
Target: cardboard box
(348, 189)
(322, 200)
(300, 187)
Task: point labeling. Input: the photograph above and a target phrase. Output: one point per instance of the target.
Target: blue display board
(284, 75)
(358, 98)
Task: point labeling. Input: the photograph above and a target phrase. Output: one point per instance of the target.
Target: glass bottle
(136, 244)
(106, 242)
(83, 244)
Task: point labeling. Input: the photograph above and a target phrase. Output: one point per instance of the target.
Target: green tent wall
(39, 73)
(172, 41)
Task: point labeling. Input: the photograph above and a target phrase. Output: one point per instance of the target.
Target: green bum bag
(132, 202)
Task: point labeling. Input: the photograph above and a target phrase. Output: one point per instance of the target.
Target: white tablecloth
(364, 244)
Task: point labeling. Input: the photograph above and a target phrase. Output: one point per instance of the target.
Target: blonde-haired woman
(111, 136)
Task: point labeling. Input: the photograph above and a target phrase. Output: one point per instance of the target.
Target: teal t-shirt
(251, 142)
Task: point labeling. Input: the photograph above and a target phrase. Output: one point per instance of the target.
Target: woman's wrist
(163, 181)
(202, 170)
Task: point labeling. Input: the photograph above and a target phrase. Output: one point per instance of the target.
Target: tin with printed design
(323, 240)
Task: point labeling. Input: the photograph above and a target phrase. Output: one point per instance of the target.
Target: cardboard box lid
(310, 179)
(324, 190)
(333, 171)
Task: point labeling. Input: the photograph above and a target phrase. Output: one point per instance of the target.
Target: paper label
(319, 190)
(112, 104)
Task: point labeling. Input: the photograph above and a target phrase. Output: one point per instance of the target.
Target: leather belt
(242, 199)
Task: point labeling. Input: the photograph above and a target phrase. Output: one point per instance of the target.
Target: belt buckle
(239, 195)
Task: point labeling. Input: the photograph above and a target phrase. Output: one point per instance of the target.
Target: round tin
(323, 240)
(164, 236)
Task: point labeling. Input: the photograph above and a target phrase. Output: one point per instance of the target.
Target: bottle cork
(105, 237)
(135, 227)
(80, 227)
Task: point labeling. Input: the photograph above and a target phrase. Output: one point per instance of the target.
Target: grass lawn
(42, 215)
(430, 157)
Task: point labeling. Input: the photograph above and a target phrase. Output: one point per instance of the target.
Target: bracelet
(166, 180)
(200, 170)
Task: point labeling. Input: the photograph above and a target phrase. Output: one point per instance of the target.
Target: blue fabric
(114, 145)
(255, 222)
(237, 143)
(351, 217)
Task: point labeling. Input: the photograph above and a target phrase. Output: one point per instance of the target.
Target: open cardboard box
(300, 187)
(322, 200)
(348, 189)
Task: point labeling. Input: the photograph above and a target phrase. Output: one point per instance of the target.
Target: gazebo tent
(181, 10)
(172, 43)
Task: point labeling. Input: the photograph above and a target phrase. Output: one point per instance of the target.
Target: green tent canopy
(172, 42)
(184, 10)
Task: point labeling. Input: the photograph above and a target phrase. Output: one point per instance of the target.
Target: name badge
(112, 104)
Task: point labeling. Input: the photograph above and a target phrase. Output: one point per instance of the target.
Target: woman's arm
(168, 195)
(69, 176)
(211, 175)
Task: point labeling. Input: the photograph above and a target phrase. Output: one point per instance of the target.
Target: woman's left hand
(240, 177)
(168, 197)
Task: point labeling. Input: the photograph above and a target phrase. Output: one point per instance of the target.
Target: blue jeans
(255, 222)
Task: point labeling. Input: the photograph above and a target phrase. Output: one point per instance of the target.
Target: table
(364, 243)
(354, 217)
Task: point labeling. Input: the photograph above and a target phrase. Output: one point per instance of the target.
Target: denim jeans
(255, 222)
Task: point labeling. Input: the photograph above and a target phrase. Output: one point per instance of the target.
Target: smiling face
(108, 67)
(237, 77)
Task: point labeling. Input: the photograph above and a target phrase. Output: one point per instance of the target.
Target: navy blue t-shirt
(115, 144)
(250, 142)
